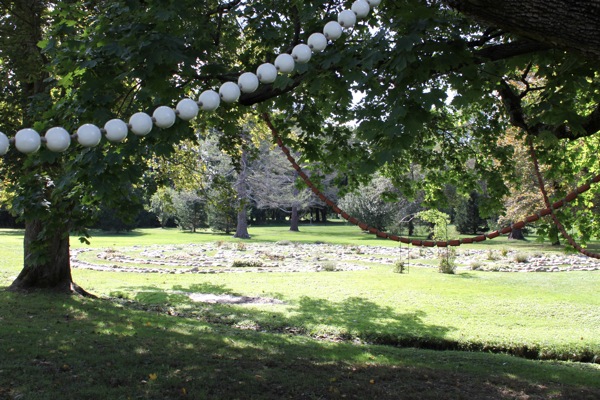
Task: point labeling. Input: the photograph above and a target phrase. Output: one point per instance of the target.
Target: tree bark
(241, 230)
(47, 262)
(563, 24)
(324, 214)
(317, 215)
(295, 220)
(516, 234)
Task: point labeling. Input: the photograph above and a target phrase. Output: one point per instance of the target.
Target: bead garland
(57, 139)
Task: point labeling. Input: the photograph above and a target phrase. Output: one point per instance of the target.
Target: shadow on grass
(98, 233)
(73, 348)
(350, 320)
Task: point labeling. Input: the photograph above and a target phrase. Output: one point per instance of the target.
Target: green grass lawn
(324, 341)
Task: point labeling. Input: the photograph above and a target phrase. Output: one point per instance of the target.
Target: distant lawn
(105, 349)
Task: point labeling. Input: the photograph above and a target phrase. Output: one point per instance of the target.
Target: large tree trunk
(324, 214)
(46, 261)
(564, 24)
(516, 234)
(295, 220)
(241, 230)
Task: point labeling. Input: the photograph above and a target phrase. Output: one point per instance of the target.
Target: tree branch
(268, 92)
(512, 104)
(509, 50)
(566, 24)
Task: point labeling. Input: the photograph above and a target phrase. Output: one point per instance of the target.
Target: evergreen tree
(467, 219)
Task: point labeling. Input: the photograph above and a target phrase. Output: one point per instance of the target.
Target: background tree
(467, 218)
(161, 204)
(369, 205)
(190, 210)
(274, 184)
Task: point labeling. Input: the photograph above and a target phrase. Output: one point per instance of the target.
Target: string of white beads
(57, 139)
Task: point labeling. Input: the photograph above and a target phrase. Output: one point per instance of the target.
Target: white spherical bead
(116, 130)
(187, 109)
(4, 144)
(361, 8)
(89, 135)
(27, 141)
(347, 18)
(332, 30)
(301, 53)
(141, 124)
(285, 63)
(164, 117)
(57, 139)
(317, 42)
(209, 100)
(229, 92)
(374, 3)
(248, 82)
(267, 73)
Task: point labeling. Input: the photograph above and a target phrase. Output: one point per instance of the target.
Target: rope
(430, 243)
(551, 207)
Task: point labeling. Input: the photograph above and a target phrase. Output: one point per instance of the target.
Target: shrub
(521, 257)
(241, 246)
(368, 203)
(476, 265)
(447, 263)
(274, 257)
(328, 266)
(283, 243)
(399, 267)
(492, 255)
(247, 264)
(504, 251)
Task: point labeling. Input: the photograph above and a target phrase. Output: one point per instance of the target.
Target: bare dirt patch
(230, 299)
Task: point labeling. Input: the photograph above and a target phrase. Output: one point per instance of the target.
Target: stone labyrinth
(243, 257)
